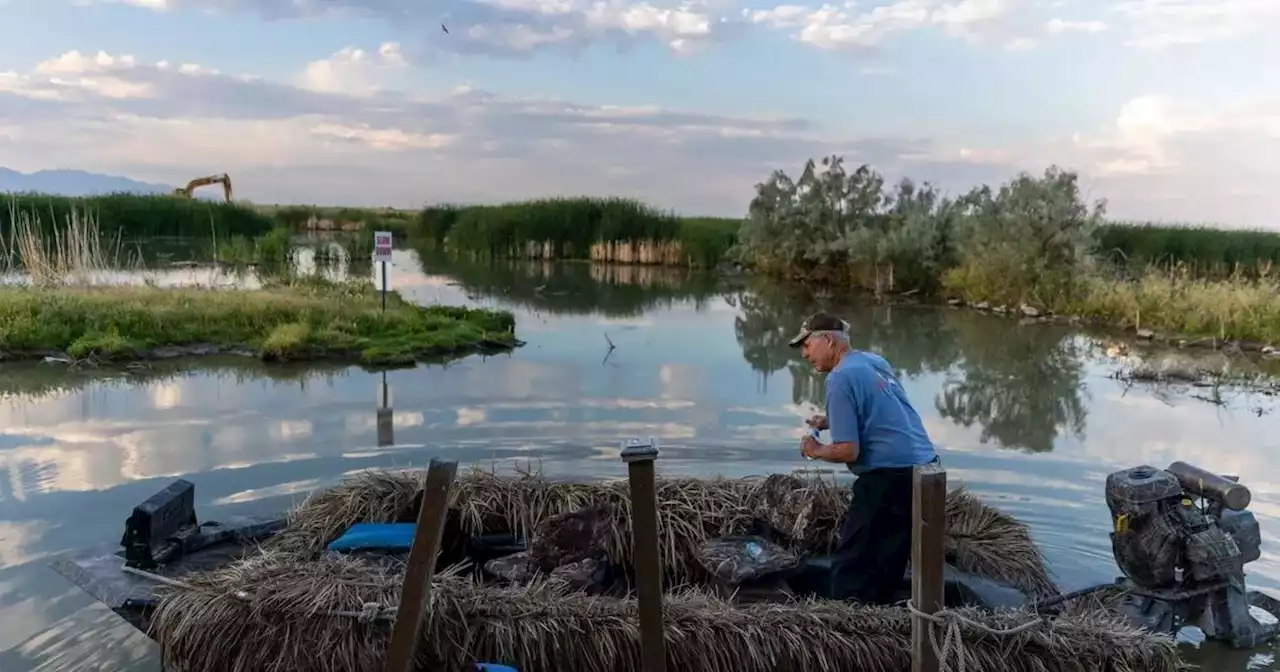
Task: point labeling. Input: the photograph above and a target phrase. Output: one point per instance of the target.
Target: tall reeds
(133, 216)
(73, 253)
(599, 229)
(1204, 250)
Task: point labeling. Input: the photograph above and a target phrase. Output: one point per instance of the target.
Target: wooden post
(385, 415)
(639, 456)
(928, 529)
(411, 613)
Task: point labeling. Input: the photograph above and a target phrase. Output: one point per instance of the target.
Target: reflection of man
(877, 434)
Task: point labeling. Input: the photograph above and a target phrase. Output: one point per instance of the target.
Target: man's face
(820, 351)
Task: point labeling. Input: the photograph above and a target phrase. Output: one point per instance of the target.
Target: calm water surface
(1026, 416)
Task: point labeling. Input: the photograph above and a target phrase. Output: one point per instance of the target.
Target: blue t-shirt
(866, 405)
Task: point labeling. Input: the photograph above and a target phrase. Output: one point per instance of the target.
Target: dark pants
(875, 541)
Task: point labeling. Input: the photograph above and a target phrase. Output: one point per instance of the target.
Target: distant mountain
(75, 183)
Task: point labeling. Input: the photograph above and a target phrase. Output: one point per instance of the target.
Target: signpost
(382, 257)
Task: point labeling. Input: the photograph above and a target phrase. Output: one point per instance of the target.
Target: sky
(1168, 109)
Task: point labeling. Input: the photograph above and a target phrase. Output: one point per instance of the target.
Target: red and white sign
(382, 246)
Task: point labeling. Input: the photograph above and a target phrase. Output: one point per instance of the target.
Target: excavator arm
(221, 178)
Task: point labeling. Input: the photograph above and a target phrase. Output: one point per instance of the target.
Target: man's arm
(842, 416)
(842, 452)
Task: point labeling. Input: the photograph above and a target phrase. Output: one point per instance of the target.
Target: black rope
(1054, 601)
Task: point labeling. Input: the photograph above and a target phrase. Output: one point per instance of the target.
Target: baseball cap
(818, 322)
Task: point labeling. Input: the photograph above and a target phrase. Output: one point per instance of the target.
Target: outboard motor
(1182, 537)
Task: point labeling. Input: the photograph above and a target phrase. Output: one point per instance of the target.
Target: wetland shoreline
(305, 321)
(1035, 245)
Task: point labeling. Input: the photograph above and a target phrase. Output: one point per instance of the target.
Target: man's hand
(818, 422)
(811, 448)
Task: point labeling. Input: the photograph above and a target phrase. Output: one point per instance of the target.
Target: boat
(536, 573)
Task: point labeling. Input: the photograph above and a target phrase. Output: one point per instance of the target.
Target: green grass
(1175, 302)
(1178, 303)
(312, 320)
(574, 228)
(1207, 250)
(362, 220)
(706, 240)
(130, 216)
(272, 248)
(572, 225)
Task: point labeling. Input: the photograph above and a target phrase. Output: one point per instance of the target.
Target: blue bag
(375, 536)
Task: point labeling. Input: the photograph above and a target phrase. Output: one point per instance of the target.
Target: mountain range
(75, 183)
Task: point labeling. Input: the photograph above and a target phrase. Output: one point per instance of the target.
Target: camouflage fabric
(517, 568)
(1213, 555)
(1243, 527)
(738, 559)
(787, 506)
(573, 536)
(1158, 527)
(580, 575)
(1137, 491)
(1147, 549)
(1149, 529)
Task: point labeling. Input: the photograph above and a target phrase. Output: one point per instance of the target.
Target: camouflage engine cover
(1158, 529)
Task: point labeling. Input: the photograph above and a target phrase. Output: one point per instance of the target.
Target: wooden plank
(411, 614)
(639, 456)
(928, 530)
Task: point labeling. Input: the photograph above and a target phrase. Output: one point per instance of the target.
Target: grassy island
(310, 320)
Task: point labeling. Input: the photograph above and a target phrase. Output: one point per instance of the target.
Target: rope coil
(951, 622)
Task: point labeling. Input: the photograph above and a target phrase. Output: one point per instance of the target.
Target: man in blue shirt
(876, 434)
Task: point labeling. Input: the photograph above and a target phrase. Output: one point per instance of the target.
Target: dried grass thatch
(542, 627)
(981, 539)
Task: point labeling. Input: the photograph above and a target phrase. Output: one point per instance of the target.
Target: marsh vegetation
(1033, 240)
(69, 307)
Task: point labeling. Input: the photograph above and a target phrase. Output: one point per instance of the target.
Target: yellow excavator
(220, 178)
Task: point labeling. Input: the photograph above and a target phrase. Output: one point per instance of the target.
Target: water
(1028, 417)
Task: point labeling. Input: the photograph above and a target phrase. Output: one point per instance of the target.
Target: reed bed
(1178, 303)
(612, 229)
(74, 253)
(648, 277)
(1208, 250)
(667, 253)
(281, 622)
(131, 216)
(981, 540)
(358, 222)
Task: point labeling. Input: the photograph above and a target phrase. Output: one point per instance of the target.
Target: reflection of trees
(31, 380)
(613, 290)
(1021, 384)
(914, 339)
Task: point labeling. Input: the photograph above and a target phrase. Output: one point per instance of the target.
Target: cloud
(332, 134)
(523, 27)
(354, 70)
(1012, 24)
(1158, 24)
(510, 27)
(1167, 160)
(336, 133)
(1056, 25)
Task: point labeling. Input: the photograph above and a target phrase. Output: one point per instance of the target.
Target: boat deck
(100, 571)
